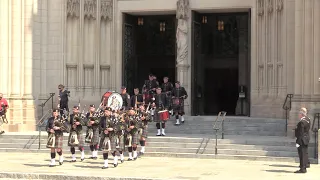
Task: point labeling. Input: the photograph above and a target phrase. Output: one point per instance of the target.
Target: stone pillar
(318, 146)
(242, 22)
(18, 58)
(182, 36)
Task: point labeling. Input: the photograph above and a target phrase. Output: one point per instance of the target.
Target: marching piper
(143, 127)
(160, 104)
(179, 94)
(93, 126)
(55, 137)
(76, 135)
(105, 122)
(132, 134)
(119, 132)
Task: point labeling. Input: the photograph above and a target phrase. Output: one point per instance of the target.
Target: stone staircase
(245, 138)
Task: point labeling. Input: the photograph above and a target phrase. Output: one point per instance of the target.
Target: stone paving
(35, 166)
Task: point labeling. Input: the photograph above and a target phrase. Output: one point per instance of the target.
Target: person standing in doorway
(63, 99)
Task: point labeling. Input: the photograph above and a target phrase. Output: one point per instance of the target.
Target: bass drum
(105, 97)
(115, 101)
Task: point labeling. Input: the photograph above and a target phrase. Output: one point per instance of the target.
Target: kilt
(143, 132)
(157, 116)
(121, 143)
(134, 139)
(178, 108)
(103, 137)
(80, 139)
(58, 140)
(96, 135)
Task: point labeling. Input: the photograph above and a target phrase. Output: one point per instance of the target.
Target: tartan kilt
(113, 143)
(143, 132)
(121, 143)
(96, 136)
(178, 108)
(103, 137)
(79, 137)
(134, 139)
(59, 141)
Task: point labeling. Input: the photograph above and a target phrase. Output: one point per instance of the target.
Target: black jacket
(302, 132)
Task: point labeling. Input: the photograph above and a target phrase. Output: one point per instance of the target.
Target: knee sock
(121, 155)
(115, 158)
(158, 125)
(81, 149)
(142, 143)
(135, 154)
(60, 156)
(163, 125)
(130, 152)
(105, 157)
(53, 155)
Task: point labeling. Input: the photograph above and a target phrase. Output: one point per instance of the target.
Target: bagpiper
(179, 94)
(144, 118)
(160, 104)
(55, 127)
(105, 135)
(76, 138)
(131, 138)
(93, 121)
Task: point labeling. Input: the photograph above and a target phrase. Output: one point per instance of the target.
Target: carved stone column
(182, 36)
(242, 22)
(17, 64)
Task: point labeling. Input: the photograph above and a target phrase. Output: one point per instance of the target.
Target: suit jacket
(302, 132)
(139, 100)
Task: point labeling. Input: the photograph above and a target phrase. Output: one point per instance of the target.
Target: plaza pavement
(35, 166)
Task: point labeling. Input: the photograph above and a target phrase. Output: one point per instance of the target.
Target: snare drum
(164, 115)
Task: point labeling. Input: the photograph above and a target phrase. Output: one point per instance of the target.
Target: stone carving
(182, 9)
(90, 8)
(279, 5)
(182, 31)
(270, 6)
(73, 8)
(260, 7)
(106, 9)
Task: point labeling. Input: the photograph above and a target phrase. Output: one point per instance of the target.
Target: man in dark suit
(302, 142)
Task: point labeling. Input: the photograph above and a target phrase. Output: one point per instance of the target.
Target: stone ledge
(19, 175)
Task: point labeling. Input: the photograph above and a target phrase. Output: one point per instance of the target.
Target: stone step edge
(21, 175)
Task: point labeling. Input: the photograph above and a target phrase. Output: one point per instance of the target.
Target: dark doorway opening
(221, 62)
(153, 49)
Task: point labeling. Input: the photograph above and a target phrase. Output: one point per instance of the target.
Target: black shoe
(73, 160)
(163, 135)
(60, 163)
(301, 171)
(115, 165)
(82, 160)
(51, 165)
(95, 158)
(182, 122)
(158, 134)
(134, 158)
(2, 132)
(104, 167)
(130, 159)
(122, 161)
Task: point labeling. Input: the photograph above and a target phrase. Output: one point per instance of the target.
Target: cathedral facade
(82, 44)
